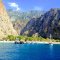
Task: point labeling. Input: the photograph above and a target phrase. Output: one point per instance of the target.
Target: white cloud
(38, 8)
(14, 5)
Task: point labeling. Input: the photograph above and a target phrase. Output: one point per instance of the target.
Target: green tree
(11, 37)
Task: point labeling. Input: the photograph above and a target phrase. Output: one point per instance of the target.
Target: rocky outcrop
(19, 25)
(48, 24)
(6, 27)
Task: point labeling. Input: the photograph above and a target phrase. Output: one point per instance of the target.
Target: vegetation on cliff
(26, 38)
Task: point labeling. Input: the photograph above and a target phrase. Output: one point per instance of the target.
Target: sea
(11, 51)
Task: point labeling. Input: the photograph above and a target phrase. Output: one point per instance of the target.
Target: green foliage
(11, 37)
(29, 38)
(26, 38)
(20, 37)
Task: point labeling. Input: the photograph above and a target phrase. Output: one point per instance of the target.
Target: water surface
(10, 51)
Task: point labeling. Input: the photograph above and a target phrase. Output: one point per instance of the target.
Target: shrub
(11, 37)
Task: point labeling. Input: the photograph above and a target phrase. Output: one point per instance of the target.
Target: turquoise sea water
(29, 51)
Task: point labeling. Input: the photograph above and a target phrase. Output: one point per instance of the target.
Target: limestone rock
(6, 27)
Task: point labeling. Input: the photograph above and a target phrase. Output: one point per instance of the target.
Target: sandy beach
(43, 42)
(38, 42)
(7, 41)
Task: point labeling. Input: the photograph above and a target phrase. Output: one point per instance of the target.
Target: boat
(18, 42)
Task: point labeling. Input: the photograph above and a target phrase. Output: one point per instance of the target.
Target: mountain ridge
(47, 24)
(6, 27)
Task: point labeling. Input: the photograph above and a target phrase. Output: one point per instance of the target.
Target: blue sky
(25, 5)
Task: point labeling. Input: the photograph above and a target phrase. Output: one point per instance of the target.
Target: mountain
(6, 27)
(19, 25)
(27, 15)
(19, 19)
(46, 25)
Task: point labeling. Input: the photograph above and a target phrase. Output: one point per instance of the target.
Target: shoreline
(43, 42)
(7, 41)
(29, 42)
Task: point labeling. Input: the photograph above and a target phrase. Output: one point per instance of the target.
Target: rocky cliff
(48, 24)
(6, 27)
(19, 25)
(19, 18)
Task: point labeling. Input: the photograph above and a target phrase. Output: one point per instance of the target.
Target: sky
(25, 5)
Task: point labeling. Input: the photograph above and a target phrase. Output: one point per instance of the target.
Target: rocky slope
(19, 18)
(48, 24)
(19, 25)
(6, 27)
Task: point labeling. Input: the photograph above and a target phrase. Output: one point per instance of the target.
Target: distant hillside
(48, 24)
(19, 25)
(19, 15)
(6, 27)
(20, 19)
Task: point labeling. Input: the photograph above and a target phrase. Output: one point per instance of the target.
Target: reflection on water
(51, 46)
(51, 50)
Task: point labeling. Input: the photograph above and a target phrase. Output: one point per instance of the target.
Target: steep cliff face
(6, 27)
(47, 24)
(20, 18)
(19, 25)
